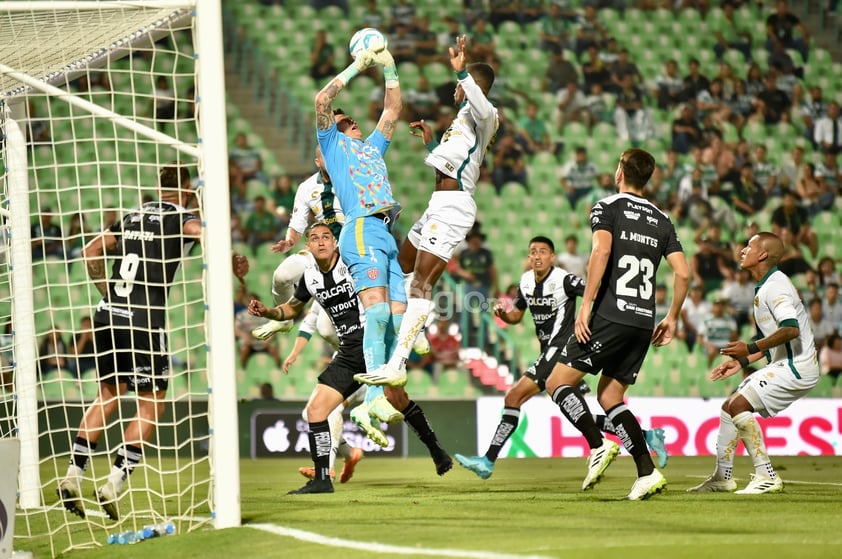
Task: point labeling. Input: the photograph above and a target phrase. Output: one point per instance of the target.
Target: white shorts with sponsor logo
(774, 387)
(448, 218)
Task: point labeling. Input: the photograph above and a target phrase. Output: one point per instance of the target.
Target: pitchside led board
(9, 457)
(277, 433)
(810, 426)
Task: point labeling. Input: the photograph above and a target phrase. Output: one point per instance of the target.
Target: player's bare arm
(422, 130)
(755, 351)
(459, 55)
(324, 103)
(298, 347)
(94, 255)
(509, 316)
(665, 330)
(283, 246)
(392, 102)
(289, 310)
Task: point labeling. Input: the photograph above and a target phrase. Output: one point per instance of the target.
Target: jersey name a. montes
(463, 145)
(149, 251)
(551, 302)
(316, 197)
(334, 291)
(642, 234)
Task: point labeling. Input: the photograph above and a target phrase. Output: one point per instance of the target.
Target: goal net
(95, 98)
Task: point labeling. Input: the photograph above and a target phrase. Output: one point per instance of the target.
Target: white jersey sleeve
(301, 207)
(310, 322)
(466, 141)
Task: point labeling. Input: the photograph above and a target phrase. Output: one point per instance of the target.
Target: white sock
(407, 284)
(74, 472)
(335, 422)
(417, 311)
(752, 437)
(345, 448)
(726, 444)
(116, 477)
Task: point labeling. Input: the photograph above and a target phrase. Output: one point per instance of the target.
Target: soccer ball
(368, 38)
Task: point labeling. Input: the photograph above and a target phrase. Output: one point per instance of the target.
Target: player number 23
(128, 271)
(634, 267)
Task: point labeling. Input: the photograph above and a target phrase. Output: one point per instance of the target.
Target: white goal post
(90, 152)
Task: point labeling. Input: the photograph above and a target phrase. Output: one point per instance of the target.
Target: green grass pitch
(528, 508)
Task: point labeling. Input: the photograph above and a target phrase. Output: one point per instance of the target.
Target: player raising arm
(366, 245)
(451, 211)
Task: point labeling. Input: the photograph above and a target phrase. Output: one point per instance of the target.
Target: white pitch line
(786, 481)
(383, 548)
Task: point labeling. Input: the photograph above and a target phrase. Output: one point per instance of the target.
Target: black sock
(629, 432)
(572, 404)
(128, 456)
(320, 448)
(82, 449)
(415, 418)
(508, 424)
(604, 424)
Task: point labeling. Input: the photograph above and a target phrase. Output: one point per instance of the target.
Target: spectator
(402, 44)
(476, 268)
(765, 172)
(827, 134)
(749, 196)
(570, 259)
(321, 4)
(771, 104)
(281, 200)
(445, 343)
(827, 273)
(712, 102)
(578, 177)
(685, 131)
(373, 17)
(693, 312)
(632, 119)
(482, 40)
(830, 357)
(718, 329)
(553, 36)
(828, 174)
(813, 195)
(662, 306)
(598, 103)
(534, 131)
(248, 345)
(560, 72)
(831, 305)
(572, 106)
(403, 14)
(605, 187)
(669, 87)
(509, 163)
(791, 169)
(590, 33)
(83, 351)
(321, 57)
(623, 67)
(52, 353)
(530, 11)
(821, 326)
(267, 393)
(46, 236)
(730, 34)
(77, 237)
(813, 109)
(793, 262)
(754, 79)
(247, 159)
(426, 43)
(709, 267)
(594, 71)
(779, 31)
(741, 105)
(421, 103)
(610, 52)
(694, 82)
(791, 215)
(163, 102)
(502, 10)
(740, 294)
(260, 226)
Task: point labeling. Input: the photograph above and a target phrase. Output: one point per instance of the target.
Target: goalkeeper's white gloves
(384, 58)
(365, 59)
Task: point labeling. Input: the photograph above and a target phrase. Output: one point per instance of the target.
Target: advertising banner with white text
(810, 426)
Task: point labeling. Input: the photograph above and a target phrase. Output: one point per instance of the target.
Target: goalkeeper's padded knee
(378, 316)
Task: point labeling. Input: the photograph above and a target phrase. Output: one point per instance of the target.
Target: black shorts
(339, 373)
(543, 366)
(615, 350)
(135, 356)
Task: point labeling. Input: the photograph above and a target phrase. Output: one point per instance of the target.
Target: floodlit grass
(529, 507)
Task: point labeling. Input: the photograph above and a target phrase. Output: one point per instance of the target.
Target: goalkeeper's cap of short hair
(174, 177)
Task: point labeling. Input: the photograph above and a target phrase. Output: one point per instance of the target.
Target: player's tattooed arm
(94, 255)
(324, 102)
(392, 107)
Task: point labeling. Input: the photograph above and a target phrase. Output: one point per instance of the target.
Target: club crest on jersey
(373, 274)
